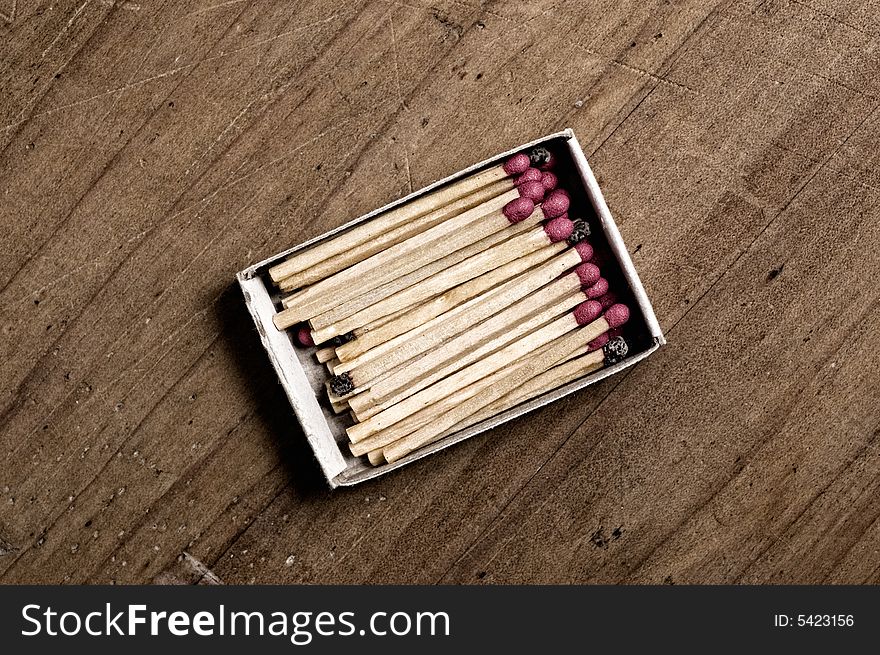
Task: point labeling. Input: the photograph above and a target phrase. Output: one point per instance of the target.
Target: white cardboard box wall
(303, 378)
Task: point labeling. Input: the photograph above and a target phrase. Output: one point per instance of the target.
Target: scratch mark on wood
(65, 28)
(174, 71)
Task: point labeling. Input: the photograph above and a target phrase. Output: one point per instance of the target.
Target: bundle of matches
(425, 416)
(430, 311)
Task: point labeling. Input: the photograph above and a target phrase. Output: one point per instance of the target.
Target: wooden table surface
(152, 149)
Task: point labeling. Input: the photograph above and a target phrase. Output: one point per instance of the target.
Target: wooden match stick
(457, 320)
(403, 282)
(556, 230)
(575, 366)
(325, 354)
(413, 414)
(486, 396)
(417, 251)
(340, 407)
(519, 319)
(400, 215)
(587, 314)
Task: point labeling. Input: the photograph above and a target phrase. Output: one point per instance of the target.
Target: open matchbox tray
(303, 378)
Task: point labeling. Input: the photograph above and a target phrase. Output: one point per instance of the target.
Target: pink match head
(549, 180)
(304, 337)
(530, 175)
(598, 342)
(518, 210)
(516, 164)
(587, 312)
(585, 250)
(616, 315)
(531, 190)
(559, 229)
(599, 289)
(588, 274)
(555, 204)
(607, 300)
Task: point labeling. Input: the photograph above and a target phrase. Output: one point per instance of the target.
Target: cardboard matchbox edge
(324, 431)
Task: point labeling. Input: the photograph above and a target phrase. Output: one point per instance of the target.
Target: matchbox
(306, 380)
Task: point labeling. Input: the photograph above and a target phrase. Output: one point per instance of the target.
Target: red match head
(597, 290)
(608, 299)
(304, 337)
(588, 274)
(585, 250)
(555, 204)
(559, 229)
(516, 164)
(587, 312)
(598, 342)
(549, 180)
(531, 190)
(530, 175)
(518, 210)
(616, 315)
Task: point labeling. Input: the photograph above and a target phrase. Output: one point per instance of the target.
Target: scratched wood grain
(151, 149)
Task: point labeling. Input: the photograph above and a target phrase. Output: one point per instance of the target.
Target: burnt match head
(518, 210)
(615, 350)
(342, 339)
(581, 231)
(559, 228)
(541, 157)
(548, 180)
(341, 384)
(531, 190)
(616, 315)
(597, 290)
(529, 175)
(585, 250)
(587, 312)
(304, 337)
(588, 274)
(516, 164)
(555, 204)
